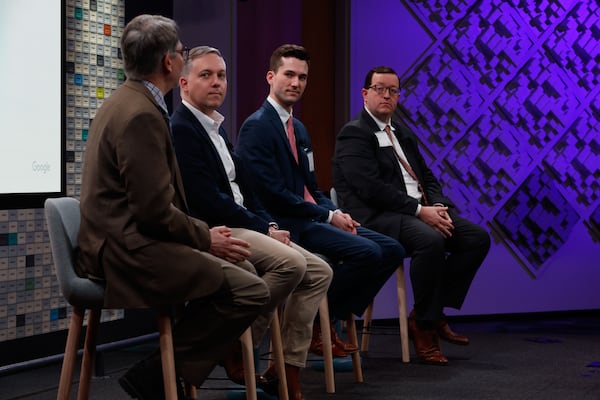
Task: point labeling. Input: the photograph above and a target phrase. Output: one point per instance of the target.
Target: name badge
(311, 161)
(383, 139)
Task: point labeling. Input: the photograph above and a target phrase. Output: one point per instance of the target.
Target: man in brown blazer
(135, 232)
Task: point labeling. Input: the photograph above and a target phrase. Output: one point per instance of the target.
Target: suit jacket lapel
(387, 151)
(276, 122)
(204, 137)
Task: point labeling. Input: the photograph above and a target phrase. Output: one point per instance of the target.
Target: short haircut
(145, 41)
(285, 51)
(197, 52)
(378, 70)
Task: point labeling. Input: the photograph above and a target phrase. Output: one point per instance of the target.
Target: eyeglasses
(185, 53)
(394, 91)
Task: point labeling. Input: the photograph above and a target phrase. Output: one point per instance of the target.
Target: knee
(396, 253)
(260, 294)
(371, 253)
(254, 293)
(431, 243)
(324, 274)
(296, 266)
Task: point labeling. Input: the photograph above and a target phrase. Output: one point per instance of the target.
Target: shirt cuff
(330, 216)
(418, 210)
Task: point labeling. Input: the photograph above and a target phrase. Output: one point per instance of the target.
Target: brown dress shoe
(426, 342)
(443, 330)
(345, 346)
(234, 368)
(316, 344)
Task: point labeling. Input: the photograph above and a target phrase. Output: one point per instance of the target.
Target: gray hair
(197, 52)
(145, 41)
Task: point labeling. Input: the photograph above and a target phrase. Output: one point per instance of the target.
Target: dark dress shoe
(427, 344)
(443, 330)
(144, 381)
(268, 381)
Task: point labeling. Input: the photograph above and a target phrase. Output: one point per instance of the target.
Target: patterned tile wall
(30, 300)
(507, 98)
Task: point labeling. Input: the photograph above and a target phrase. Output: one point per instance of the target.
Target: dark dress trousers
(369, 183)
(362, 263)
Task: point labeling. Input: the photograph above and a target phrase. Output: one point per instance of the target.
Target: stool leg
(167, 355)
(191, 391)
(70, 356)
(277, 345)
(351, 326)
(89, 353)
(327, 352)
(248, 357)
(366, 332)
(402, 315)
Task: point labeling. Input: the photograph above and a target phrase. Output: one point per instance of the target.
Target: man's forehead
(293, 64)
(385, 76)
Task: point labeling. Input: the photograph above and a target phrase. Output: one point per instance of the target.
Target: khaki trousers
(296, 278)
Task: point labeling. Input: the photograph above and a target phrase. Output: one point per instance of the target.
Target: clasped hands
(438, 218)
(224, 246)
(344, 222)
(234, 250)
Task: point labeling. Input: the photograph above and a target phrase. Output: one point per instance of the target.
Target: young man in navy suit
(380, 174)
(218, 192)
(276, 148)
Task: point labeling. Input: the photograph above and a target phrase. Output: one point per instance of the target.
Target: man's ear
(167, 63)
(270, 75)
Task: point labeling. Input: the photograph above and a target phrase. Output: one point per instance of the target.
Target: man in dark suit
(276, 147)
(218, 192)
(381, 177)
(135, 232)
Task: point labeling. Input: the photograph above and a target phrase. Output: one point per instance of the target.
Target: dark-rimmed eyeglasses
(392, 90)
(185, 53)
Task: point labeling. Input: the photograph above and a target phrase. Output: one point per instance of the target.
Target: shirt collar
(282, 112)
(157, 94)
(207, 122)
(381, 125)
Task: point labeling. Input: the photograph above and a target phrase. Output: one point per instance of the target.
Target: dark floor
(550, 358)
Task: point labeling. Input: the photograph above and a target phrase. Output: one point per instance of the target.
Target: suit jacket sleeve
(206, 184)
(144, 166)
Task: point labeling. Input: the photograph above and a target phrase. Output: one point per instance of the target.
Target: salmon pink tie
(292, 138)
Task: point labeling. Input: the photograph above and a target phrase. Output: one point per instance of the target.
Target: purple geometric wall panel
(486, 165)
(575, 160)
(593, 224)
(575, 46)
(437, 15)
(443, 92)
(492, 40)
(536, 220)
(538, 101)
(506, 104)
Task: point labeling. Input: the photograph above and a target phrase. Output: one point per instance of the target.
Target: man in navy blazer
(381, 176)
(283, 170)
(218, 191)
